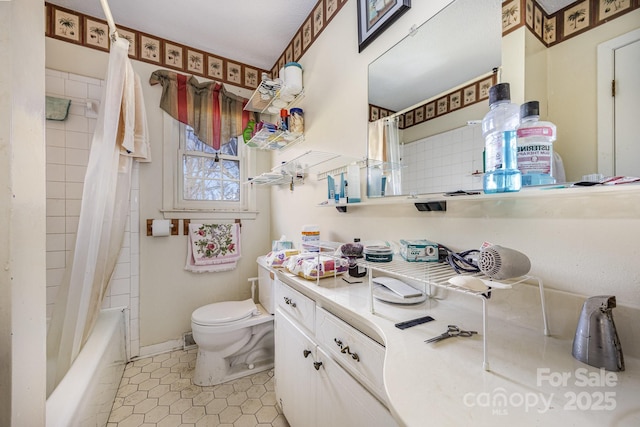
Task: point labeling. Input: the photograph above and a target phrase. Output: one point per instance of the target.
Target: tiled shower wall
(68, 144)
(432, 165)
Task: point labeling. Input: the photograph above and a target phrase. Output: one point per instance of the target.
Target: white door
(627, 110)
(618, 124)
(344, 402)
(294, 372)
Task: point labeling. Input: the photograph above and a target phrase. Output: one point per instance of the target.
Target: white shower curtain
(384, 148)
(104, 209)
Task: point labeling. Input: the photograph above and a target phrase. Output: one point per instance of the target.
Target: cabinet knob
(317, 365)
(306, 353)
(289, 302)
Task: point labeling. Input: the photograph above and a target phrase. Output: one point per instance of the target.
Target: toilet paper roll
(161, 227)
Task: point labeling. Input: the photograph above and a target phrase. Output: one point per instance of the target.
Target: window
(208, 175)
(194, 182)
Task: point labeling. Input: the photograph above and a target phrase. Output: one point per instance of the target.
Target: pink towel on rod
(212, 247)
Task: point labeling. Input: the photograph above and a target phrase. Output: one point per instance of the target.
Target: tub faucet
(596, 341)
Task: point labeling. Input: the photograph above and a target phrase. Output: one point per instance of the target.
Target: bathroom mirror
(458, 44)
(564, 80)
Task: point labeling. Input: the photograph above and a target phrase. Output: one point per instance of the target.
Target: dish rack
(437, 275)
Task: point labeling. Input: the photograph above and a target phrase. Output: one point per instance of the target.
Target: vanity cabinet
(317, 383)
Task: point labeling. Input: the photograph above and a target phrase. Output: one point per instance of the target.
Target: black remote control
(414, 322)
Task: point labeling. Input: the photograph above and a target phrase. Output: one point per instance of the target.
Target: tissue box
(419, 250)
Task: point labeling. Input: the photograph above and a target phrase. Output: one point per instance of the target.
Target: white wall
(22, 215)
(586, 245)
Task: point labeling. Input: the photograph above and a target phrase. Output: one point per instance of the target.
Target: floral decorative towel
(212, 247)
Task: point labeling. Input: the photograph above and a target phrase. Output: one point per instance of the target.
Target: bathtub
(85, 395)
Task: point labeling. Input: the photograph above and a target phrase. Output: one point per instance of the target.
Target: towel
(212, 247)
(57, 108)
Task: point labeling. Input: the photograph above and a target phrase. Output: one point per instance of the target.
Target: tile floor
(158, 392)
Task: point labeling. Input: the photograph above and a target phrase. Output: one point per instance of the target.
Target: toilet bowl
(234, 338)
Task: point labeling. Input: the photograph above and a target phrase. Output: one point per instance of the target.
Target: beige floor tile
(208, 421)
(230, 414)
(193, 414)
(158, 392)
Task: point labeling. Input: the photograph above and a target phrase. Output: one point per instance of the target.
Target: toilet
(235, 338)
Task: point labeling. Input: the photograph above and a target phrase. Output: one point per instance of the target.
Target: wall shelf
(274, 140)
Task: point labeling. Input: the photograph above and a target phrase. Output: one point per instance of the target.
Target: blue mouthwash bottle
(499, 132)
(535, 146)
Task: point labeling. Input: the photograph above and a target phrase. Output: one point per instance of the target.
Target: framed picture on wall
(251, 78)
(66, 25)
(607, 9)
(442, 105)
(576, 19)
(173, 56)
(418, 115)
(511, 16)
(332, 8)
(318, 19)
(408, 119)
(455, 100)
(307, 36)
(374, 17)
(234, 73)
(288, 53)
(96, 34)
(430, 110)
(150, 49)
(297, 46)
(195, 62)
(215, 67)
(374, 113)
(549, 31)
(469, 95)
(484, 86)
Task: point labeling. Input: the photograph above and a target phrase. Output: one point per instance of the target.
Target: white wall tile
(55, 137)
(72, 207)
(55, 242)
(75, 89)
(55, 190)
(69, 241)
(55, 155)
(135, 303)
(76, 123)
(54, 85)
(120, 301)
(94, 92)
(71, 224)
(73, 190)
(55, 172)
(54, 276)
(76, 157)
(124, 255)
(54, 125)
(122, 270)
(79, 140)
(55, 225)
(55, 207)
(120, 286)
(84, 79)
(75, 173)
(56, 259)
(135, 284)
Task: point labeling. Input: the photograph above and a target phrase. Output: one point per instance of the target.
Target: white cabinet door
(344, 402)
(295, 374)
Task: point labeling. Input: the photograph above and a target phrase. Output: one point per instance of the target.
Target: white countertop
(533, 379)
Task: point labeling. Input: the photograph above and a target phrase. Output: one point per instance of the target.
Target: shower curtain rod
(112, 26)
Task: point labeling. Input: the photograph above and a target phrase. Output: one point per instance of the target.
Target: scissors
(452, 331)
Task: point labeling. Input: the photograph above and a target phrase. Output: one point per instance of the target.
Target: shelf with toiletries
(439, 201)
(443, 276)
(295, 170)
(274, 139)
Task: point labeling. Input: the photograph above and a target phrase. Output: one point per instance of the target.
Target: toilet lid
(224, 312)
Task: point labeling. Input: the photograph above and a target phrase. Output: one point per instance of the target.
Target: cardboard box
(419, 250)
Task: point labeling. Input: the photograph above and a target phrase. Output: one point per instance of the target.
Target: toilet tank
(266, 276)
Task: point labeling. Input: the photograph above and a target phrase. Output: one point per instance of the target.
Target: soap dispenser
(596, 341)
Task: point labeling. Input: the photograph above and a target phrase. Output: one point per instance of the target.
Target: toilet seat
(224, 313)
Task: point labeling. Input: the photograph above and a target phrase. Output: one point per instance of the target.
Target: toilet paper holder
(174, 227)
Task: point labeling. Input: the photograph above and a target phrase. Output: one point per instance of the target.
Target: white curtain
(384, 149)
(104, 209)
